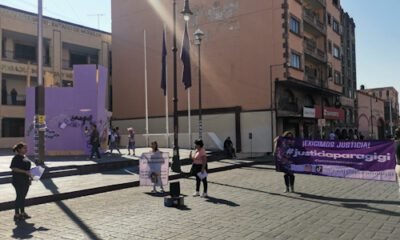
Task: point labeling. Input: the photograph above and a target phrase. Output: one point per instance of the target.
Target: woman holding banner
(283, 158)
(397, 153)
(155, 174)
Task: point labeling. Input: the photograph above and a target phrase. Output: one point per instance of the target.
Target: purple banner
(374, 160)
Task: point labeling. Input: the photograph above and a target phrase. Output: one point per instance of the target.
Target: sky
(377, 31)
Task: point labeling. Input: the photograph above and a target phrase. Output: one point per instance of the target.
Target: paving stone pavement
(245, 203)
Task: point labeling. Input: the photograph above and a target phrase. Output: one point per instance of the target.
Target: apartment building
(267, 66)
(65, 44)
(390, 96)
(349, 73)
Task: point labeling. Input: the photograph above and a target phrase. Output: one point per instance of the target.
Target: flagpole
(189, 122)
(166, 97)
(145, 87)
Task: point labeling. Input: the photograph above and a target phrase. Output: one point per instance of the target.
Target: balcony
(10, 56)
(310, 48)
(312, 20)
(288, 106)
(316, 3)
(13, 100)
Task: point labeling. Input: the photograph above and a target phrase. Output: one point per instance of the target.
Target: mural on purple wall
(70, 111)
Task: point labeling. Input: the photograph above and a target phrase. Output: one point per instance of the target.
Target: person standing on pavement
(283, 163)
(94, 141)
(131, 141)
(117, 138)
(397, 154)
(113, 141)
(156, 168)
(199, 165)
(21, 179)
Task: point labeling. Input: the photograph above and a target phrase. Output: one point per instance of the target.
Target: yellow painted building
(64, 45)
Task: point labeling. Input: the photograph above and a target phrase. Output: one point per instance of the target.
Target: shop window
(13, 127)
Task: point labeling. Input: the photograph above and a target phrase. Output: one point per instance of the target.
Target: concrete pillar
(56, 52)
(9, 45)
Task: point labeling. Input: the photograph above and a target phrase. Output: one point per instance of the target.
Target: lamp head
(186, 12)
(198, 35)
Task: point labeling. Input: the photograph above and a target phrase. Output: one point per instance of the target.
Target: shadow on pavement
(75, 218)
(158, 194)
(24, 230)
(221, 201)
(358, 204)
(183, 208)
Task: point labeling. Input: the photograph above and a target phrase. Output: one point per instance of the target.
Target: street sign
(321, 122)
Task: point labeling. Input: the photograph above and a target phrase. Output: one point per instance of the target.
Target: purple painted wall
(69, 112)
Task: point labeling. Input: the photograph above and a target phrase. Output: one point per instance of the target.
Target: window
(67, 83)
(77, 59)
(387, 93)
(328, 19)
(13, 127)
(294, 25)
(330, 46)
(335, 26)
(336, 51)
(25, 52)
(337, 78)
(380, 94)
(295, 60)
(335, 2)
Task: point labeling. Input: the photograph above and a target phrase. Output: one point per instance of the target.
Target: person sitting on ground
(228, 148)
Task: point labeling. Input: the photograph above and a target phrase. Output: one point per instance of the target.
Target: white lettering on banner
(366, 157)
(333, 144)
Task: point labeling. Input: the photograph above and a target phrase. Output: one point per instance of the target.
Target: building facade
(349, 73)
(390, 96)
(267, 67)
(371, 115)
(65, 44)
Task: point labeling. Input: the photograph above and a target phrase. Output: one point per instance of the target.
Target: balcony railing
(289, 106)
(321, 2)
(10, 57)
(313, 20)
(18, 100)
(310, 48)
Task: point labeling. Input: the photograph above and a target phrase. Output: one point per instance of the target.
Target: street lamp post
(176, 165)
(198, 37)
(39, 93)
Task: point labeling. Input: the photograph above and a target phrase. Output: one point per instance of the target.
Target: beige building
(390, 96)
(371, 115)
(267, 66)
(65, 44)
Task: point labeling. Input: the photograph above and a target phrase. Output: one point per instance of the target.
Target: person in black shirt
(229, 149)
(21, 179)
(95, 142)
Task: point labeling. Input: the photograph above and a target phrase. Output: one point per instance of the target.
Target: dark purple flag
(164, 66)
(185, 57)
